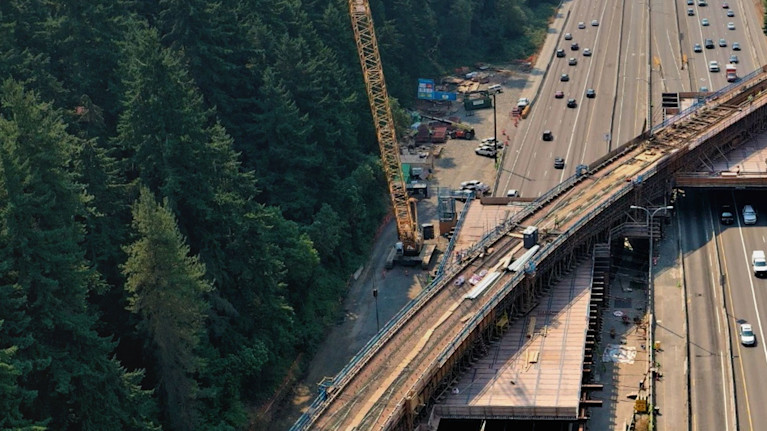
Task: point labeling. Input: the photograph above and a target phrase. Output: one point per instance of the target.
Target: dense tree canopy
(185, 186)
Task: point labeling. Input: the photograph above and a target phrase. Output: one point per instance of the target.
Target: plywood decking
(523, 376)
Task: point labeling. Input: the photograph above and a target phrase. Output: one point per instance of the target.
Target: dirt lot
(457, 162)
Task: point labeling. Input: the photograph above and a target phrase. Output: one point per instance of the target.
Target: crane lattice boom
(372, 71)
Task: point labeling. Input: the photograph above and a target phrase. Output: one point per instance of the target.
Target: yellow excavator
(410, 249)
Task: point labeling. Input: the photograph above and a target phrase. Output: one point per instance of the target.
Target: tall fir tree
(76, 382)
(167, 288)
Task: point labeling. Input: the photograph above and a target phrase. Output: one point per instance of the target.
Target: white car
(469, 185)
(704, 22)
(486, 151)
(523, 101)
(512, 193)
(747, 337)
(730, 26)
(749, 215)
(713, 66)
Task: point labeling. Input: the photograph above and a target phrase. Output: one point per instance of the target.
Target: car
(722, 43)
(709, 43)
(697, 48)
(725, 5)
(702, 3)
(575, 46)
(730, 13)
(703, 89)
(571, 103)
(590, 93)
(581, 25)
(704, 22)
(690, 2)
(559, 94)
(486, 151)
(568, 36)
(572, 61)
(586, 52)
(512, 193)
(730, 26)
(733, 59)
(522, 102)
(470, 184)
(749, 215)
(690, 12)
(736, 46)
(564, 78)
(560, 52)
(726, 216)
(594, 23)
(463, 195)
(489, 140)
(559, 163)
(713, 66)
(482, 189)
(547, 135)
(747, 337)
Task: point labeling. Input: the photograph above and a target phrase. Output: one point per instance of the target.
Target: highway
(584, 133)
(746, 296)
(622, 70)
(711, 397)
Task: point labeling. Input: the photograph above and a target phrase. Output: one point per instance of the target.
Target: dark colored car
(709, 44)
(559, 163)
(547, 135)
(572, 61)
(559, 94)
(571, 103)
(727, 216)
(575, 46)
(564, 78)
(590, 93)
(560, 52)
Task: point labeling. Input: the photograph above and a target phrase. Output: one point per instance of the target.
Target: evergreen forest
(185, 187)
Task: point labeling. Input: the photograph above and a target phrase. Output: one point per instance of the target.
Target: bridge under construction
(393, 383)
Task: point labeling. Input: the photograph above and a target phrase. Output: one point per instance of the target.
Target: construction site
(516, 318)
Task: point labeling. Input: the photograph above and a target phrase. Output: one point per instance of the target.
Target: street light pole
(495, 132)
(375, 296)
(651, 298)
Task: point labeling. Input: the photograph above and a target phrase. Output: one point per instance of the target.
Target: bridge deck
(372, 394)
(525, 376)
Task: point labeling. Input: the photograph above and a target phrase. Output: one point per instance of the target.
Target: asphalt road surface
(712, 403)
(639, 48)
(746, 296)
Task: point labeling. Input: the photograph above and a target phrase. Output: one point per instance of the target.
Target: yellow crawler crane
(409, 249)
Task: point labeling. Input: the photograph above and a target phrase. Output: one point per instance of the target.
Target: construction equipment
(455, 129)
(409, 249)
(477, 100)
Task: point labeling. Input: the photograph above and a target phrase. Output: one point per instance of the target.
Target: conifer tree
(77, 385)
(167, 289)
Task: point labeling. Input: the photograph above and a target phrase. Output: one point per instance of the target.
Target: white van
(758, 263)
(495, 88)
